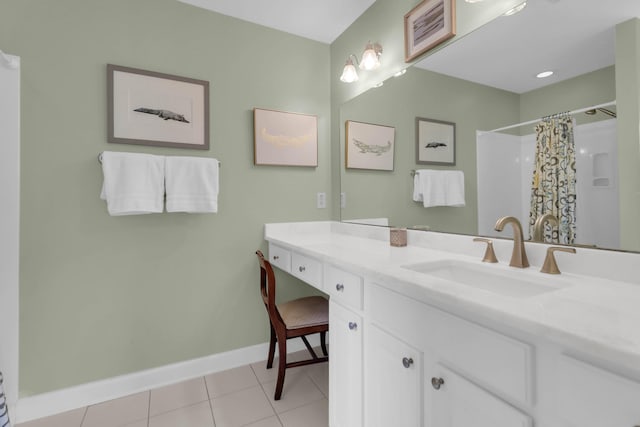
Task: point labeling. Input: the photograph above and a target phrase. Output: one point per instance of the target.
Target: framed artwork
(150, 108)
(427, 25)
(435, 142)
(369, 146)
(284, 139)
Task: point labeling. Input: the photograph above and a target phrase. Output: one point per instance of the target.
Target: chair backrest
(268, 288)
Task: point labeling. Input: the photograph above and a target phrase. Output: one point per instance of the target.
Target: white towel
(192, 184)
(133, 183)
(439, 188)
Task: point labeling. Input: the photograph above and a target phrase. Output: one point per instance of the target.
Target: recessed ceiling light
(544, 74)
(400, 73)
(516, 9)
(379, 84)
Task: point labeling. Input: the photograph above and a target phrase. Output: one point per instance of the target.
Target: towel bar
(100, 160)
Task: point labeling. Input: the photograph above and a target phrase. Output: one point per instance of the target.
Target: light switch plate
(321, 200)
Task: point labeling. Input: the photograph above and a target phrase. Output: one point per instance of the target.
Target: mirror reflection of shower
(594, 111)
(505, 165)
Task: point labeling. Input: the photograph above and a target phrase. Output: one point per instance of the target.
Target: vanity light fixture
(371, 56)
(516, 9)
(544, 74)
(370, 61)
(349, 73)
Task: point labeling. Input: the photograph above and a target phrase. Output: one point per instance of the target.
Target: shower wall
(505, 169)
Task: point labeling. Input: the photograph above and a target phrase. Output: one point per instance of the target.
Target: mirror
(462, 89)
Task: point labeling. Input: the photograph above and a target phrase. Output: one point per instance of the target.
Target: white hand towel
(192, 184)
(439, 188)
(133, 183)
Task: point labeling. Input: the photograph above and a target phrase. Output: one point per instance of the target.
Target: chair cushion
(303, 312)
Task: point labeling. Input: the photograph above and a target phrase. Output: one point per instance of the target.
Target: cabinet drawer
(491, 359)
(589, 396)
(307, 269)
(344, 287)
(280, 257)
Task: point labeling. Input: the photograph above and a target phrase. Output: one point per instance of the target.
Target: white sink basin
(486, 277)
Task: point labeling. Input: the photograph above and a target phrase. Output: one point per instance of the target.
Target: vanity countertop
(591, 312)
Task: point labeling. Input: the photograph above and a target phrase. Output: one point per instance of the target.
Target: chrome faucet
(538, 227)
(519, 256)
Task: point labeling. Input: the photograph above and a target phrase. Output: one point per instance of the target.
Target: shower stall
(505, 165)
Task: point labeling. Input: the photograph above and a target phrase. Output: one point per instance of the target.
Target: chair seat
(304, 312)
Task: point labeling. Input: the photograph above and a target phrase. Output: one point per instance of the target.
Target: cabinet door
(393, 381)
(456, 402)
(345, 367)
(592, 397)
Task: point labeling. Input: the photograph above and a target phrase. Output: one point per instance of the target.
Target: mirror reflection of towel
(439, 188)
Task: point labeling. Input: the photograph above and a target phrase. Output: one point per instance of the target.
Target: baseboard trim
(58, 401)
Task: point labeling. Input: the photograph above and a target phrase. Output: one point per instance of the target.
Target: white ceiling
(569, 37)
(322, 21)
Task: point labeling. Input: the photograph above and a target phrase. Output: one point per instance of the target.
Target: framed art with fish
(281, 138)
(435, 142)
(151, 108)
(369, 146)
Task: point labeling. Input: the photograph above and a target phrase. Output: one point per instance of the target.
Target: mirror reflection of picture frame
(435, 142)
(369, 146)
(427, 25)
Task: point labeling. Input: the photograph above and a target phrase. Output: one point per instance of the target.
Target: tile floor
(240, 397)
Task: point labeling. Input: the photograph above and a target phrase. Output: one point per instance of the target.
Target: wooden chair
(296, 318)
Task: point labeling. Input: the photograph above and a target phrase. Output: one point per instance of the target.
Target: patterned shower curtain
(553, 189)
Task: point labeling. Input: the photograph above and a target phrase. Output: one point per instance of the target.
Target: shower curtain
(553, 189)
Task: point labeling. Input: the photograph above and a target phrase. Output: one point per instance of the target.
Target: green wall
(102, 296)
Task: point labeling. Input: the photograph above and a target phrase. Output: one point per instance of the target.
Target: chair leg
(323, 343)
(272, 348)
(282, 365)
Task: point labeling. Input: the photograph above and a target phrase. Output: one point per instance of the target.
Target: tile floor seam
(84, 415)
(149, 410)
(213, 416)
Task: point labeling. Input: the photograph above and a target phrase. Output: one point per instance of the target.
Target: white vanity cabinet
(400, 357)
(346, 337)
(438, 370)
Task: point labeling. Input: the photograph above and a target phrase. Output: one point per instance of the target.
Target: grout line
(213, 417)
(84, 416)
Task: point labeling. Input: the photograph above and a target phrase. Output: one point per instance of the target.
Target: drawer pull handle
(276, 257)
(407, 362)
(301, 268)
(353, 326)
(437, 383)
(339, 287)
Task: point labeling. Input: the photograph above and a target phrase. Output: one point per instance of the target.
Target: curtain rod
(530, 122)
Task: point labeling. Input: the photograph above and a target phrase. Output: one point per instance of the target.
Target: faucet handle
(489, 254)
(550, 266)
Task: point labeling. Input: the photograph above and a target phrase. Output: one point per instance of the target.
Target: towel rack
(412, 172)
(100, 160)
